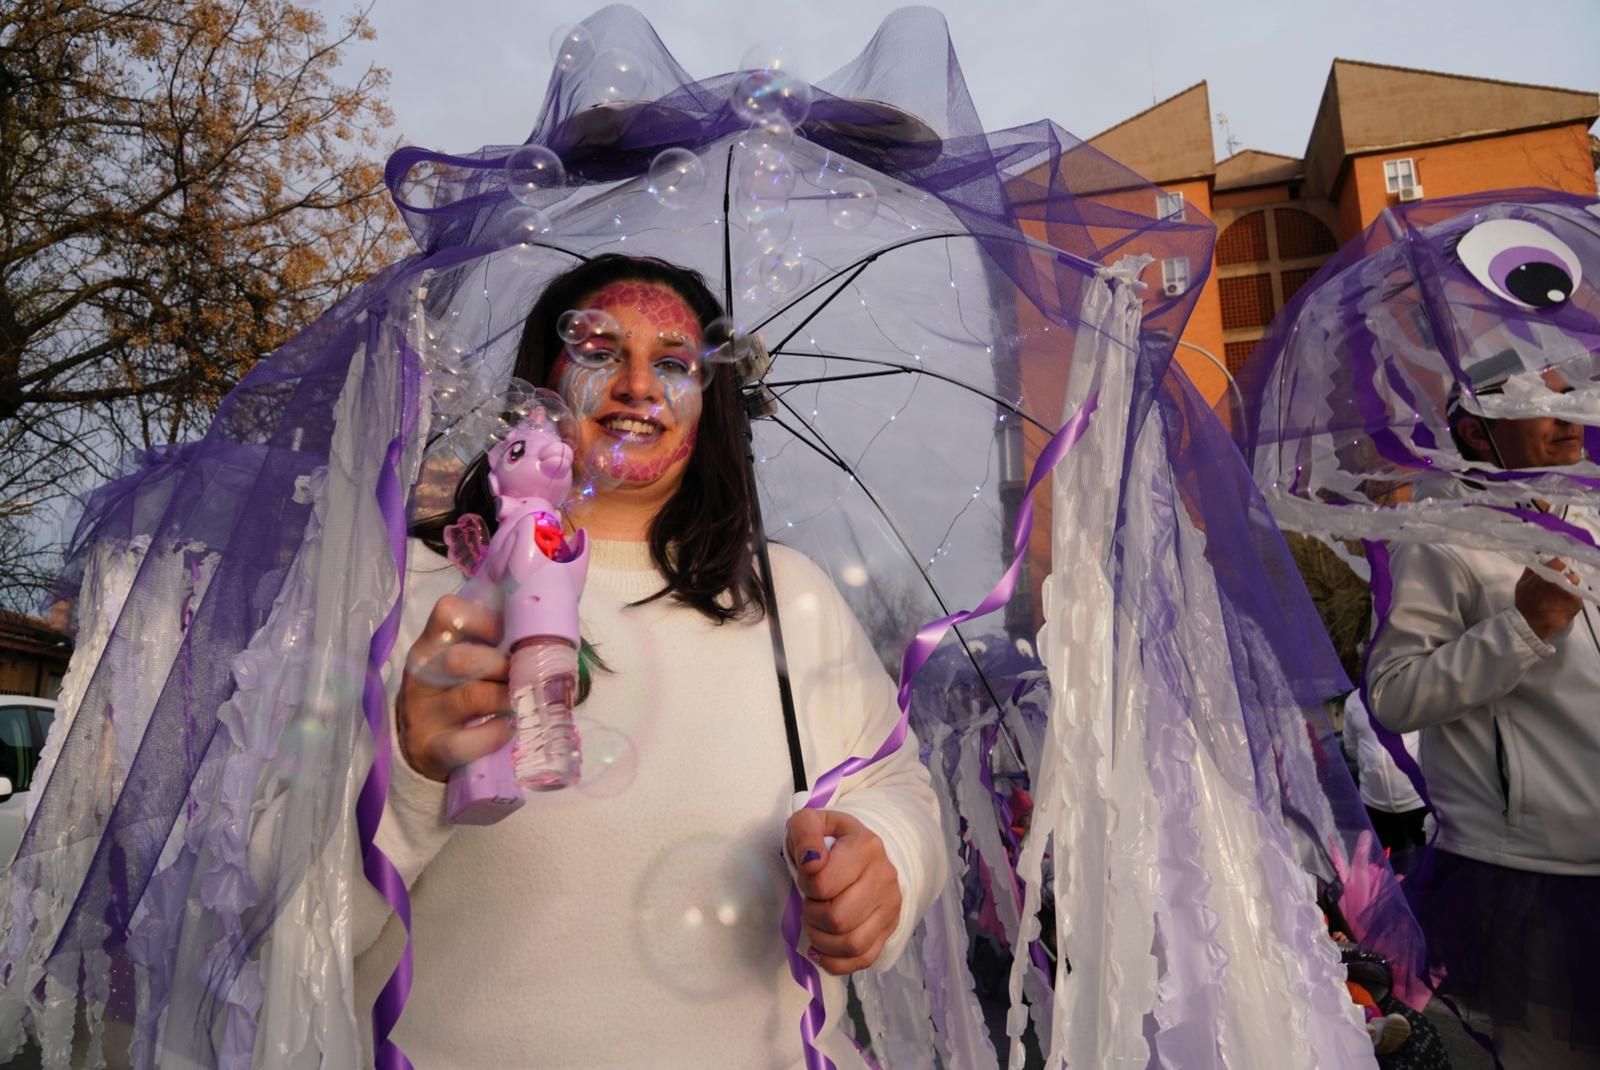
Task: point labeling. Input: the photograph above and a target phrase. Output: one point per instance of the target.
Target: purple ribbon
(916, 656)
(369, 805)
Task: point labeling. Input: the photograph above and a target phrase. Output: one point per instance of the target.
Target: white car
(24, 724)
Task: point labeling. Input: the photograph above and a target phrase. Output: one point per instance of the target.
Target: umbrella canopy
(936, 304)
(1484, 303)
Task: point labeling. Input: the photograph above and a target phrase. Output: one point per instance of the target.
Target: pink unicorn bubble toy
(535, 575)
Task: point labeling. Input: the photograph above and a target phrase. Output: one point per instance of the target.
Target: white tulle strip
(1188, 921)
(267, 831)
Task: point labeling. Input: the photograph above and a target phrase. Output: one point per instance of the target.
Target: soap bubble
(774, 130)
(526, 223)
(771, 88)
(711, 900)
(610, 761)
(590, 335)
(767, 56)
(618, 76)
(774, 275)
(853, 204)
(721, 341)
(531, 171)
(763, 174)
(571, 48)
(771, 226)
(676, 178)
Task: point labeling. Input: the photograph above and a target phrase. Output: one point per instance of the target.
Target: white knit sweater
(637, 925)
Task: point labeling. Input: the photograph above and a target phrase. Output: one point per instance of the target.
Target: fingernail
(811, 953)
(809, 857)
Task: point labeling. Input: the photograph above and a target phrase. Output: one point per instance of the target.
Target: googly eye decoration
(1521, 262)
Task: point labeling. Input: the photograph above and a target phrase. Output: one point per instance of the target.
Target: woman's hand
(452, 704)
(851, 891)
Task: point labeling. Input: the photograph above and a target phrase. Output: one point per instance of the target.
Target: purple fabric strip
(1548, 521)
(369, 806)
(916, 656)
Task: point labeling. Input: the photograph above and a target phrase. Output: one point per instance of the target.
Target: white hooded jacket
(1510, 722)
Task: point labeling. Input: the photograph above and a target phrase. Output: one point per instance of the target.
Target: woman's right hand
(453, 707)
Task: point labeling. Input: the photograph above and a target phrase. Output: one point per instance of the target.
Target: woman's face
(634, 383)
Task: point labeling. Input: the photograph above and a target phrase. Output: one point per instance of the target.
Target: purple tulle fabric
(960, 296)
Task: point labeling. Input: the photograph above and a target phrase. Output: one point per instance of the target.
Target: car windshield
(20, 744)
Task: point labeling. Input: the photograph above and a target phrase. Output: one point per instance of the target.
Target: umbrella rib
(727, 232)
(859, 267)
(952, 380)
(804, 441)
(771, 385)
(911, 555)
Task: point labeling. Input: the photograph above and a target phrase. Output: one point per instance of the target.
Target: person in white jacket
(1498, 668)
(636, 924)
(1393, 805)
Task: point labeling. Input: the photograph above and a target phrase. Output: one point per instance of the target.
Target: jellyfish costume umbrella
(952, 311)
(1483, 305)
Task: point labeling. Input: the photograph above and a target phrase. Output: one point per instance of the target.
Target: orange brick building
(1381, 135)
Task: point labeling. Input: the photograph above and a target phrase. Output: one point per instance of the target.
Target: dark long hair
(700, 540)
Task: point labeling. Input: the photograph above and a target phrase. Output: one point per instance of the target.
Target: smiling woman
(651, 930)
(621, 339)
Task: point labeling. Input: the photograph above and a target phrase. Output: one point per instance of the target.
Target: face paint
(635, 383)
(658, 306)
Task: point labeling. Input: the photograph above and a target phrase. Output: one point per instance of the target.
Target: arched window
(1244, 241)
(1301, 234)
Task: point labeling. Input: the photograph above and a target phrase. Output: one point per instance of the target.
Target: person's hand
(851, 893)
(452, 704)
(1546, 606)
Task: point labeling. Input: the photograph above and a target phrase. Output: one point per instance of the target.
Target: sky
(476, 75)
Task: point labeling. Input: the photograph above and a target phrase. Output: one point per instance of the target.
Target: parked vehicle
(24, 724)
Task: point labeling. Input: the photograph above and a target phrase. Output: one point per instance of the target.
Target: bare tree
(183, 184)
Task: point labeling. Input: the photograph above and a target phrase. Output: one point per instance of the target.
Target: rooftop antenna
(1229, 142)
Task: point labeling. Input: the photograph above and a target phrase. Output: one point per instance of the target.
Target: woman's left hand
(851, 892)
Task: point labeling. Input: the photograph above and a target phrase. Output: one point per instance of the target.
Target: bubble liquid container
(544, 752)
(543, 680)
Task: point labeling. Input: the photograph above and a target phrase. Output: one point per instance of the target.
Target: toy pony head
(532, 466)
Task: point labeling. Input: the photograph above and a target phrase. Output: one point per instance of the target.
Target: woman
(640, 927)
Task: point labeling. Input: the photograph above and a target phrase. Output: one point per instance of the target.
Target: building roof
(1371, 107)
(1252, 167)
(1167, 142)
(32, 636)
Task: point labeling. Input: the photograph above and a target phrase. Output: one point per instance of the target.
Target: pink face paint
(651, 322)
(660, 306)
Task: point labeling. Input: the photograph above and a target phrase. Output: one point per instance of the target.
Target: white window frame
(1400, 174)
(1175, 274)
(1169, 206)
